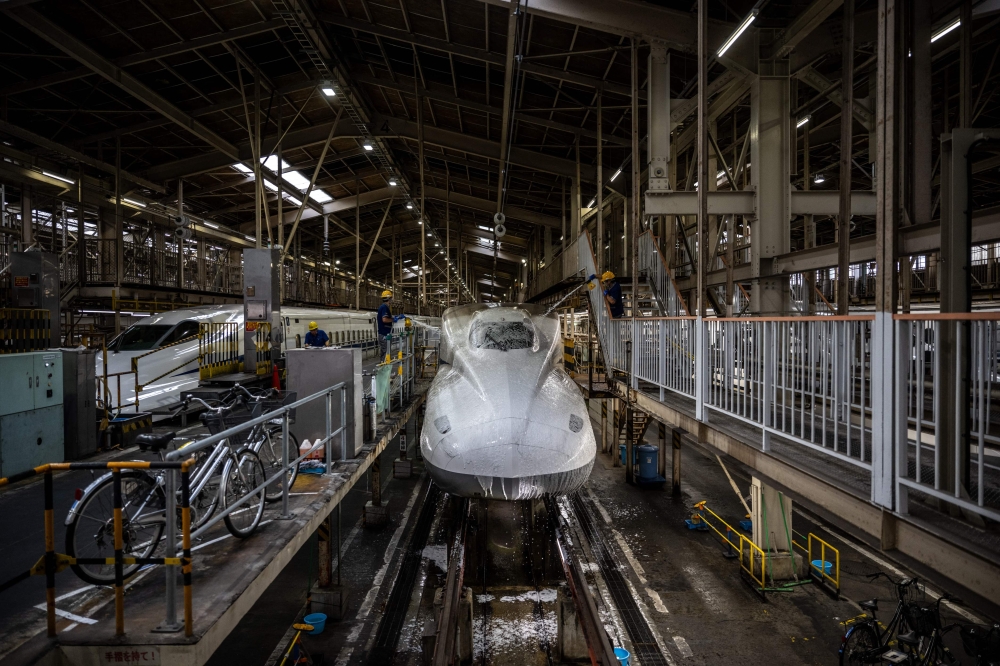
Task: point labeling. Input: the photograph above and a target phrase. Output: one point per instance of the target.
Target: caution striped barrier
(218, 349)
(24, 330)
(569, 355)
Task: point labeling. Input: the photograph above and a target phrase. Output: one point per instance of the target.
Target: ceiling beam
(146, 56)
(487, 206)
(55, 35)
(336, 18)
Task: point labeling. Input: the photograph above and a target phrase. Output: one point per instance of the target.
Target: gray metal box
(29, 439)
(35, 284)
(261, 293)
(79, 407)
(311, 371)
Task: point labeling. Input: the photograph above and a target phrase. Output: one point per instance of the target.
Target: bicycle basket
(276, 402)
(217, 424)
(921, 619)
(981, 641)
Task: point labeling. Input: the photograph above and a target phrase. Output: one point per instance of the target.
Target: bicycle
(264, 439)
(981, 642)
(924, 644)
(144, 502)
(865, 642)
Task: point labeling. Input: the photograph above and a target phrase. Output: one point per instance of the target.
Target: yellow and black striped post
(116, 475)
(50, 558)
(186, 544)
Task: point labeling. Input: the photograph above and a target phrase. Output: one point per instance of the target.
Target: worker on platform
(315, 337)
(613, 294)
(384, 320)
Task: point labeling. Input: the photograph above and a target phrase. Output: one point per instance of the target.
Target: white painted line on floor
(657, 602)
(343, 657)
(71, 627)
(69, 616)
(279, 649)
(885, 564)
(683, 647)
(600, 507)
(366, 605)
(355, 632)
(636, 567)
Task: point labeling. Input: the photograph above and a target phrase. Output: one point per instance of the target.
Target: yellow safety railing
(819, 572)
(753, 559)
(218, 349)
(262, 343)
(52, 562)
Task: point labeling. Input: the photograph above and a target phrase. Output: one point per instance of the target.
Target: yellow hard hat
(608, 275)
(386, 294)
(313, 326)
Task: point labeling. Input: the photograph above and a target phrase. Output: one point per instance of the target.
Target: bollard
(116, 476)
(50, 558)
(170, 623)
(675, 437)
(186, 563)
(284, 463)
(327, 454)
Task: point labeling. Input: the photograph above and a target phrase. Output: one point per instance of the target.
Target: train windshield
(502, 335)
(140, 338)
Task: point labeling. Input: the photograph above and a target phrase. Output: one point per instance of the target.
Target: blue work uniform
(317, 338)
(618, 306)
(383, 328)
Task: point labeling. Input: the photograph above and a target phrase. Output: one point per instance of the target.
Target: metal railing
(394, 377)
(654, 267)
(284, 414)
(936, 457)
(809, 381)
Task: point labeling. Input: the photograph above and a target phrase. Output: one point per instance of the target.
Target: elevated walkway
(792, 398)
(229, 575)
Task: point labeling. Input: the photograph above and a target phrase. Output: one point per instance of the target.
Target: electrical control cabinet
(31, 411)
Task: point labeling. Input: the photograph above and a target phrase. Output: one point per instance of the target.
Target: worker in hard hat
(383, 321)
(316, 337)
(613, 294)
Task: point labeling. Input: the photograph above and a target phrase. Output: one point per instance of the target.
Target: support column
(201, 265)
(575, 202)
(846, 165)
(633, 235)
(771, 123)
(675, 470)
(119, 236)
(887, 411)
(178, 234)
(701, 148)
(808, 227)
(599, 242)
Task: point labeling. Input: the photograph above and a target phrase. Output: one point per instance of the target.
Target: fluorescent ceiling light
(820, 178)
(213, 226)
(739, 31)
(591, 204)
(58, 177)
(802, 121)
(484, 228)
(409, 206)
(617, 173)
(368, 146)
(945, 30)
(329, 92)
(392, 182)
(337, 262)
(134, 203)
(250, 238)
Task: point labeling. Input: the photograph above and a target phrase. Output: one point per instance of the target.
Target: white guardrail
(808, 379)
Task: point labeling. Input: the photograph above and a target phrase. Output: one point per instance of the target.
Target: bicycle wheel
(237, 482)
(91, 534)
(860, 641)
(270, 457)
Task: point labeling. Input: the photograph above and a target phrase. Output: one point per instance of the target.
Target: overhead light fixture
(945, 30)
(591, 204)
(802, 121)
(133, 202)
(392, 182)
(409, 206)
(58, 177)
(213, 226)
(250, 238)
(337, 262)
(369, 146)
(329, 92)
(739, 31)
(617, 173)
(820, 178)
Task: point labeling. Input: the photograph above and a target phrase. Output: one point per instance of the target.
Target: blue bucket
(318, 622)
(824, 566)
(622, 655)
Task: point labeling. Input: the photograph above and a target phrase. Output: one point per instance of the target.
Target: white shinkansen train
(504, 420)
(179, 364)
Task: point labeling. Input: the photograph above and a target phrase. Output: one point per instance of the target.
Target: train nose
(510, 458)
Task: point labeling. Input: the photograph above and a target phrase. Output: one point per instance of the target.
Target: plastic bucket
(622, 655)
(317, 620)
(824, 566)
(621, 453)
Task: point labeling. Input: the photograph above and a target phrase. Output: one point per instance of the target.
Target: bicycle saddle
(153, 442)
(871, 604)
(910, 638)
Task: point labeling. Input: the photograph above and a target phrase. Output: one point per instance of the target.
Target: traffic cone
(275, 377)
